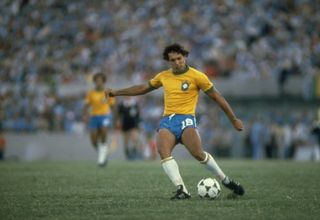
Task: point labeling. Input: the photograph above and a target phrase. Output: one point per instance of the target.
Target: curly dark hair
(98, 75)
(174, 48)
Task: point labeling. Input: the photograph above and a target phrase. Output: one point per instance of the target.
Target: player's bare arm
(130, 91)
(224, 105)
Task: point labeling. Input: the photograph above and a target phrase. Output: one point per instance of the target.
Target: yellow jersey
(181, 91)
(98, 103)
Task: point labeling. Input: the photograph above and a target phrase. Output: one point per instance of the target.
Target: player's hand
(237, 124)
(108, 93)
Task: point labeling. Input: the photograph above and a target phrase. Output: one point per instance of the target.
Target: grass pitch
(141, 190)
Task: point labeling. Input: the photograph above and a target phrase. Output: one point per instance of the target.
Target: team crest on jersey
(185, 85)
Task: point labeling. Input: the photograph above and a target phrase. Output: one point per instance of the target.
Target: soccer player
(100, 116)
(129, 115)
(181, 85)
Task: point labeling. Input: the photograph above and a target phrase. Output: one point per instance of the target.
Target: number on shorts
(186, 123)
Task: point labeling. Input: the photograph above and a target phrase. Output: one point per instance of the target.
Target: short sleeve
(156, 82)
(204, 83)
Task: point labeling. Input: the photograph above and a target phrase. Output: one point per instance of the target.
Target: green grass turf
(141, 190)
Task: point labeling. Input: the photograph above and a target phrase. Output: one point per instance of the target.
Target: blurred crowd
(272, 130)
(55, 41)
(52, 43)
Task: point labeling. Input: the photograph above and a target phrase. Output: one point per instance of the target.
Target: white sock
(102, 153)
(171, 168)
(104, 145)
(213, 166)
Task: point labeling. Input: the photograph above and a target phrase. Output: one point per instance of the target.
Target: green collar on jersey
(99, 89)
(182, 71)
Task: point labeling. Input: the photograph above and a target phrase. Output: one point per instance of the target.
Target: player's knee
(160, 151)
(94, 139)
(164, 153)
(199, 155)
(103, 139)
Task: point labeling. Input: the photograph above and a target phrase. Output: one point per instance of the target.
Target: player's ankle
(226, 180)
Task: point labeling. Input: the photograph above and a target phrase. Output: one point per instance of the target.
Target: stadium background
(263, 56)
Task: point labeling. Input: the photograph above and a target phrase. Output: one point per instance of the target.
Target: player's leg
(136, 143)
(94, 138)
(102, 145)
(165, 143)
(191, 139)
(126, 137)
(93, 132)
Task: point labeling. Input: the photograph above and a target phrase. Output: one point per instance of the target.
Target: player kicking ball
(100, 117)
(181, 85)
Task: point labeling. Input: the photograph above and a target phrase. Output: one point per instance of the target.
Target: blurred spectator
(2, 145)
(257, 138)
(299, 137)
(235, 38)
(315, 130)
(272, 145)
(286, 141)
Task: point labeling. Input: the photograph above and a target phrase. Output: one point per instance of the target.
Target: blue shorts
(177, 123)
(100, 121)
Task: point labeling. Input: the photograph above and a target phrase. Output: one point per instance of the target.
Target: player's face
(177, 61)
(99, 82)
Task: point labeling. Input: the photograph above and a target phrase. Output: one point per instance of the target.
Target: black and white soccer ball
(209, 188)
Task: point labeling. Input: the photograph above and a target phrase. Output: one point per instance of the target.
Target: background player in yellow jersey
(181, 85)
(99, 108)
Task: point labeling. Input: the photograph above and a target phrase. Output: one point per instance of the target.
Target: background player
(181, 85)
(100, 116)
(129, 117)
